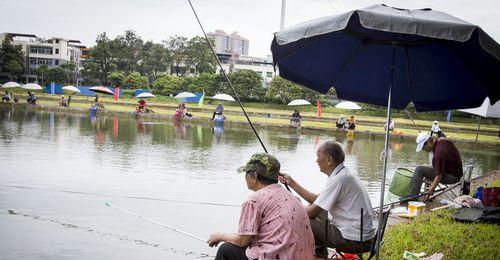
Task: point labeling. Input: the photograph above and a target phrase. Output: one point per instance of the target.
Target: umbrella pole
(386, 148)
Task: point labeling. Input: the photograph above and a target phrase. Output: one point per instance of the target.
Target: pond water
(58, 170)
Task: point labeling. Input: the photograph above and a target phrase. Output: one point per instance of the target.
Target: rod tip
(108, 204)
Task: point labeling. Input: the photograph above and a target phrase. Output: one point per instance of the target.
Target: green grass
(437, 232)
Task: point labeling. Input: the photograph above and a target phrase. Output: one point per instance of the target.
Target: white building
(263, 66)
(52, 52)
(229, 44)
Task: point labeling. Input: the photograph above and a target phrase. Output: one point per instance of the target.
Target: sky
(158, 20)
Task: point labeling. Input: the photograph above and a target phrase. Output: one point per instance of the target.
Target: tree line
(172, 66)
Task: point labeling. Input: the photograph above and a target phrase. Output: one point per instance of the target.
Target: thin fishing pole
(226, 77)
(412, 120)
(155, 222)
(402, 200)
(229, 82)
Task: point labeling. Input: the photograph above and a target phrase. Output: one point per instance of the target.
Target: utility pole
(283, 11)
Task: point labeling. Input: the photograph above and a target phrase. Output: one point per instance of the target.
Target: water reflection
(176, 160)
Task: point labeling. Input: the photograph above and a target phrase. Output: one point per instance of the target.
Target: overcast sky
(157, 20)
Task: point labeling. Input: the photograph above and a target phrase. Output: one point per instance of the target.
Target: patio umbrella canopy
(102, 90)
(224, 97)
(185, 95)
(71, 89)
(145, 95)
(299, 102)
(31, 86)
(440, 62)
(11, 84)
(389, 56)
(348, 105)
(485, 110)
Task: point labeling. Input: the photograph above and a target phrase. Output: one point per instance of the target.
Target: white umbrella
(32, 86)
(185, 95)
(299, 102)
(347, 105)
(225, 97)
(11, 84)
(485, 110)
(145, 95)
(72, 89)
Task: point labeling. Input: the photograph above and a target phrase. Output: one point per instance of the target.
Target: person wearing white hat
(446, 164)
(62, 102)
(436, 130)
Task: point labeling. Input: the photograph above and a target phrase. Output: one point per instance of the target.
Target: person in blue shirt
(218, 111)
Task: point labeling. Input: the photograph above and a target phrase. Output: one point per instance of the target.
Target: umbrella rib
(408, 74)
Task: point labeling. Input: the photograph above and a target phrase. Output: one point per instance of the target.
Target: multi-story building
(263, 66)
(229, 44)
(232, 51)
(52, 52)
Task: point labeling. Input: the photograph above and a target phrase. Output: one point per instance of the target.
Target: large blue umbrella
(389, 56)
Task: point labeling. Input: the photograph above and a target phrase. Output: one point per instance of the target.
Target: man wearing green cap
(273, 223)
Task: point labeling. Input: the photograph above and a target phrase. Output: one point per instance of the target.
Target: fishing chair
(374, 249)
(449, 187)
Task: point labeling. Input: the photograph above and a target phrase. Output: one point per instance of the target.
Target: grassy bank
(464, 131)
(437, 232)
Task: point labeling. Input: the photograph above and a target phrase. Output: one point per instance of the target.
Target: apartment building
(52, 52)
(232, 51)
(229, 44)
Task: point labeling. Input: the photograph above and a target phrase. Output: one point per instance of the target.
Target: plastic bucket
(400, 182)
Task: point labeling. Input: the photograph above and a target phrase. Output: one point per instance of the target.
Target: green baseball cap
(270, 162)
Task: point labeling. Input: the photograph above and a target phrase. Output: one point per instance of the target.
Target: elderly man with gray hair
(343, 197)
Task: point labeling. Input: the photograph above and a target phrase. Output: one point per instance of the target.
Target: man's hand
(286, 179)
(214, 239)
(427, 196)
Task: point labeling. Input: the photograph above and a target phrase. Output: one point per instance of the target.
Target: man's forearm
(235, 239)
(434, 184)
(304, 193)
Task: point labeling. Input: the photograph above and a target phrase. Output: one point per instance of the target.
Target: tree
(116, 78)
(199, 56)
(177, 47)
(205, 83)
(11, 59)
(91, 71)
(283, 90)
(126, 51)
(56, 75)
(248, 84)
(100, 55)
(135, 81)
(167, 85)
(69, 69)
(42, 73)
(155, 59)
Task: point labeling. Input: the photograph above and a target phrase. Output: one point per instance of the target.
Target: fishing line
(124, 197)
(229, 82)
(103, 234)
(155, 222)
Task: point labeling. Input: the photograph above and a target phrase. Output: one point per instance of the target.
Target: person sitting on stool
(343, 197)
(446, 164)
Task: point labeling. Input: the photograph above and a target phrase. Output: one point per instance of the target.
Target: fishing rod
(412, 120)
(402, 200)
(155, 222)
(229, 81)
